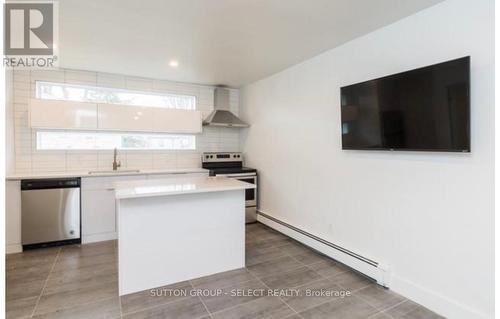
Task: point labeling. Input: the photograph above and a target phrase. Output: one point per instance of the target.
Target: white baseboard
(13, 248)
(367, 267)
(427, 298)
(87, 239)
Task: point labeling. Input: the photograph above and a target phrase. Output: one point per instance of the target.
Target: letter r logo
(29, 28)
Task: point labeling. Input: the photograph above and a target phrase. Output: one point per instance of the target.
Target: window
(85, 93)
(63, 140)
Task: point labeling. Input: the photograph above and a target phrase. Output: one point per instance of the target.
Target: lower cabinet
(98, 204)
(98, 207)
(98, 215)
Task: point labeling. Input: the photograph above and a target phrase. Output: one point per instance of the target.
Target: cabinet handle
(110, 189)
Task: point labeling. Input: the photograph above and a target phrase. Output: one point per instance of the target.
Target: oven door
(250, 194)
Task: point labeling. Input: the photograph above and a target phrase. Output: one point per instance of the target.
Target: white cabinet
(13, 217)
(98, 204)
(116, 117)
(124, 117)
(176, 121)
(98, 207)
(98, 214)
(62, 114)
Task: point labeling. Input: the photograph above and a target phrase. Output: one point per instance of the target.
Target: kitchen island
(176, 229)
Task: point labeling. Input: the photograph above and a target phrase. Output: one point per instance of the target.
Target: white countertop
(96, 173)
(176, 186)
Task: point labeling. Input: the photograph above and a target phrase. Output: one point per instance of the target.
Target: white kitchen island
(176, 229)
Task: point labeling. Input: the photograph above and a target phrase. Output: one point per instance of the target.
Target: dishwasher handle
(30, 184)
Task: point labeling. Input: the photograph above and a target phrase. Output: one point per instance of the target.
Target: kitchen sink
(115, 172)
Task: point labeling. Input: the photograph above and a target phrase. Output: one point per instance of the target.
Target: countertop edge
(185, 192)
(87, 175)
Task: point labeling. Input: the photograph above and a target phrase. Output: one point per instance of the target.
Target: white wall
(427, 215)
(29, 160)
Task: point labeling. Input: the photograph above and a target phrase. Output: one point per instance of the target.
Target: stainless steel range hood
(222, 116)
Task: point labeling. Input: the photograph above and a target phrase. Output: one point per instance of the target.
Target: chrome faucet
(115, 163)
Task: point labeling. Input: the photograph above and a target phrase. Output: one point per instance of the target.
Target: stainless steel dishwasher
(50, 212)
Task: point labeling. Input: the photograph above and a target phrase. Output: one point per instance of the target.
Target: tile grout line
(280, 298)
(201, 300)
(45, 283)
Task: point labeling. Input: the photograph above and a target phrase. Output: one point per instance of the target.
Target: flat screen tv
(426, 109)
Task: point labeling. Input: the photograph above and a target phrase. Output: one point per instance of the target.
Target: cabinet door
(176, 121)
(62, 114)
(124, 117)
(98, 211)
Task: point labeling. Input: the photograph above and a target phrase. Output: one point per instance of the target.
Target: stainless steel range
(231, 165)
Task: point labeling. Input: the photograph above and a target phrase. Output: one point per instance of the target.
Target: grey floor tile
(380, 315)
(411, 310)
(421, 313)
(340, 308)
(275, 266)
(311, 257)
(379, 297)
(188, 308)
(351, 280)
(328, 268)
(35, 253)
(291, 279)
(155, 297)
(258, 245)
(104, 309)
(402, 308)
(20, 308)
(99, 272)
(255, 256)
(295, 248)
(23, 290)
(81, 295)
(31, 258)
(313, 294)
(282, 241)
(223, 279)
(58, 287)
(39, 272)
(268, 308)
(94, 249)
(63, 264)
(230, 298)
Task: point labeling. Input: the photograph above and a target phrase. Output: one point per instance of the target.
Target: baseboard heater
(373, 269)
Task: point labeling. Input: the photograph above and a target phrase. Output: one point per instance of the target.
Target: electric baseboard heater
(366, 266)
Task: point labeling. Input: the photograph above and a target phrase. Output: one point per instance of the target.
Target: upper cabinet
(124, 117)
(62, 114)
(112, 117)
(176, 121)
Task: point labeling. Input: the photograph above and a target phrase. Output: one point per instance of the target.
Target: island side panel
(167, 239)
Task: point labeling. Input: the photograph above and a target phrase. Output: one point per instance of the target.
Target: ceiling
(229, 42)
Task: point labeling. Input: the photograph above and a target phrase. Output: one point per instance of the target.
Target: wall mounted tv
(426, 109)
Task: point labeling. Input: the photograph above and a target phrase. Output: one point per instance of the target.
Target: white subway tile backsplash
(139, 84)
(80, 77)
(30, 160)
(111, 80)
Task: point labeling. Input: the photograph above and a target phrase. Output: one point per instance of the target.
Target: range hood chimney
(222, 116)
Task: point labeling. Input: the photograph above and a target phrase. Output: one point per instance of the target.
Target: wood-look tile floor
(82, 282)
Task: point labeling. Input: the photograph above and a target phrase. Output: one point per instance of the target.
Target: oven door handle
(238, 175)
